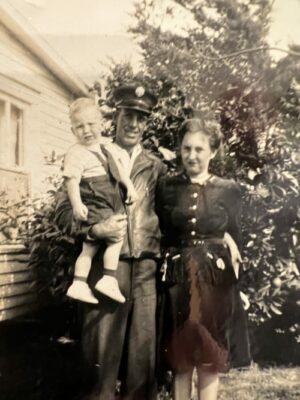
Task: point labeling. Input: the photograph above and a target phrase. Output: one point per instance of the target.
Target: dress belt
(203, 241)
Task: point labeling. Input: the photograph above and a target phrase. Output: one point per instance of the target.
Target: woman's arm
(234, 209)
(236, 258)
(233, 235)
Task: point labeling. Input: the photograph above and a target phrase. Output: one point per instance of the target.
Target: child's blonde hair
(80, 103)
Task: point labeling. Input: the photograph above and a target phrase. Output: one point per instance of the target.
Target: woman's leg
(208, 385)
(182, 386)
(108, 284)
(79, 289)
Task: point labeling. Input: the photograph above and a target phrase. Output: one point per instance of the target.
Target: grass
(261, 384)
(257, 384)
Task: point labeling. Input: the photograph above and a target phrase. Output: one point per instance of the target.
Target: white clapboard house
(36, 88)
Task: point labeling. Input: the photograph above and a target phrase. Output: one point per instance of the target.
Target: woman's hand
(245, 300)
(235, 254)
(236, 260)
(112, 229)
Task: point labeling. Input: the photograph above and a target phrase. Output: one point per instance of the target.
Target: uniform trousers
(119, 340)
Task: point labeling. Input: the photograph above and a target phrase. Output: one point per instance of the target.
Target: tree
(257, 108)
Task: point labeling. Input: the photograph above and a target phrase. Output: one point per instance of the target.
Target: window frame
(20, 172)
(13, 101)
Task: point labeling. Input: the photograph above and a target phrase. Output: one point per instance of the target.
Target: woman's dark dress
(204, 324)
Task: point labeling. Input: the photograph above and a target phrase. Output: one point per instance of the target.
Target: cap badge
(140, 91)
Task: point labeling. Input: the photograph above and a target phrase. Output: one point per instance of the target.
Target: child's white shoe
(80, 290)
(109, 286)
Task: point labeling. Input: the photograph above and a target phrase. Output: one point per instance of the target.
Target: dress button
(193, 233)
(193, 220)
(194, 207)
(195, 195)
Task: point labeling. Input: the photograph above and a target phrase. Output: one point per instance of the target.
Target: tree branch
(253, 50)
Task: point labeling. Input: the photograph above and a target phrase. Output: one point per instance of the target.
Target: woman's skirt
(201, 319)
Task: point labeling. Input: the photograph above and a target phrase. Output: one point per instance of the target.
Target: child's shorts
(102, 197)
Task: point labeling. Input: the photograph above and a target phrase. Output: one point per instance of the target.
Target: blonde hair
(82, 102)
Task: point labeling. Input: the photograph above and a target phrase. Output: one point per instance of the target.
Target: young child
(91, 195)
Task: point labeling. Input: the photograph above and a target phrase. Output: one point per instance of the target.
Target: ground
(261, 384)
(36, 364)
(256, 383)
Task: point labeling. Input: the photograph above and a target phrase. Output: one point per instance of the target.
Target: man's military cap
(135, 97)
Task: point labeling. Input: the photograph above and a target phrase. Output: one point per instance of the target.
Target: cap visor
(136, 108)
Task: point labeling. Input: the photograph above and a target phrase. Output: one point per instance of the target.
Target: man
(119, 339)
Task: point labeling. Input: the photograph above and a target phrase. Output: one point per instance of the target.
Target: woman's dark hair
(209, 128)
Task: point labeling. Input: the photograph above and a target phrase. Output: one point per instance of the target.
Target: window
(11, 134)
(14, 180)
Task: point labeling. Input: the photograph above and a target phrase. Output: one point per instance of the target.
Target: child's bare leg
(108, 284)
(84, 260)
(79, 289)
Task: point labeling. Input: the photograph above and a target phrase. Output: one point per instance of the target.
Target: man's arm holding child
(113, 229)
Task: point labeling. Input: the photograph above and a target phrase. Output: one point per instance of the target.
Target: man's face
(130, 125)
(86, 125)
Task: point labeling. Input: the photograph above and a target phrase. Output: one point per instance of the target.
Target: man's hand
(112, 229)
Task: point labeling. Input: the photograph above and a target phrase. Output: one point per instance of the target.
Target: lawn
(257, 384)
(261, 384)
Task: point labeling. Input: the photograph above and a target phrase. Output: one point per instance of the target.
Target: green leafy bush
(265, 164)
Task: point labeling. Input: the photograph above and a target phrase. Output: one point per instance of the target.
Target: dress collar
(201, 182)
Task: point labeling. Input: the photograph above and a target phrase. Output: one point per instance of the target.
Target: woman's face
(196, 153)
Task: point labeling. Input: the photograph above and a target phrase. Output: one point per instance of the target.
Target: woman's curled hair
(209, 128)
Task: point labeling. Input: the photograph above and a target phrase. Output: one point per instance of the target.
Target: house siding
(46, 101)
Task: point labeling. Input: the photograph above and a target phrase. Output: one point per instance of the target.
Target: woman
(204, 321)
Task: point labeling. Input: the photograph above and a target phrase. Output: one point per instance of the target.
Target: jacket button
(195, 195)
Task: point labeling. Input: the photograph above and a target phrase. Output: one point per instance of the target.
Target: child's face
(86, 125)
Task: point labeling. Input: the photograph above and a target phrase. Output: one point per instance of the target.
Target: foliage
(30, 221)
(256, 102)
(52, 253)
(14, 219)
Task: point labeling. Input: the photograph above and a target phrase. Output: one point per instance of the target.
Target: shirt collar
(125, 158)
